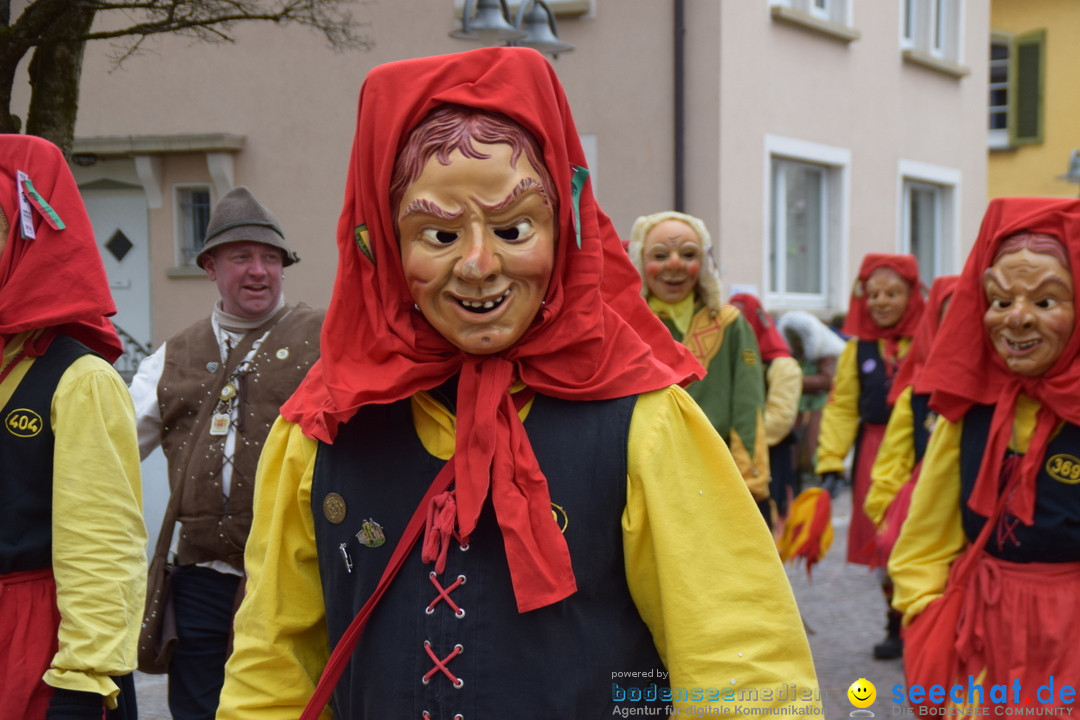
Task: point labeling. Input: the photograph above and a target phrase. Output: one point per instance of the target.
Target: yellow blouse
(840, 418)
(98, 535)
(932, 536)
(700, 563)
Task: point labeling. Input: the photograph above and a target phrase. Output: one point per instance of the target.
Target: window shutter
(1026, 78)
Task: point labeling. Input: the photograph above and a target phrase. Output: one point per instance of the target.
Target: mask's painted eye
(438, 237)
(518, 231)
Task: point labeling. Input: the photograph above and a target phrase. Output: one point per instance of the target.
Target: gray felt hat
(239, 217)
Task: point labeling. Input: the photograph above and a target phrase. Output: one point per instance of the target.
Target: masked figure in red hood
(886, 306)
(994, 517)
(493, 388)
(895, 469)
(72, 540)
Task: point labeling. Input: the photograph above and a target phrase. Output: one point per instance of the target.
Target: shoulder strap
(339, 658)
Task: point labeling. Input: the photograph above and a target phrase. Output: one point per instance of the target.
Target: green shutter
(1026, 74)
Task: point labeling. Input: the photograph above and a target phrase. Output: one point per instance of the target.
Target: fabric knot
(441, 516)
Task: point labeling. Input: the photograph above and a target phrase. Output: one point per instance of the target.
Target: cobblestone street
(844, 612)
(841, 605)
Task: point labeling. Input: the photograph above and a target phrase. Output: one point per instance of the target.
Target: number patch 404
(23, 423)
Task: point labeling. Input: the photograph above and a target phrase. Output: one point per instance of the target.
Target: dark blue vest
(1055, 534)
(26, 461)
(558, 661)
(922, 420)
(874, 384)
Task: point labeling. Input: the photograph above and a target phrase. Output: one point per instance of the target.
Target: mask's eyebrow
(526, 185)
(995, 276)
(423, 206)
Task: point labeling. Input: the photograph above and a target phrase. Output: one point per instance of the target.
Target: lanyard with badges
(231, 393)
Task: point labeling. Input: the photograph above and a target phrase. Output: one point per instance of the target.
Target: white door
(119, 216)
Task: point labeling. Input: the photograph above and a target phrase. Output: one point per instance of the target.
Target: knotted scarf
(594, 338)
(967, 370)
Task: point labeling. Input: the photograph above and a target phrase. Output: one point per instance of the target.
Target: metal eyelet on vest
(464, 547)
(440, 665)
(444, 594)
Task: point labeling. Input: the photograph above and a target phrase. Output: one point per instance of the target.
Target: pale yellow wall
(1033, 170)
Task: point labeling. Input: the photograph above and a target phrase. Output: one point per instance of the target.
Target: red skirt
(861, 532)
(29, 621)
(1021, 621)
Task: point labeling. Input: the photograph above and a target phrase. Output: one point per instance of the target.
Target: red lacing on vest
(444, 594)
(440, 665)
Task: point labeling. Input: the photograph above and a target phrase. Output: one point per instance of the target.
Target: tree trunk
(55, 70)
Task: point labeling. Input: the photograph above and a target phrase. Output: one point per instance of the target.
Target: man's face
(1031, 314)
(673, 257)
(887, 296)
(248, 276)
(478, 247)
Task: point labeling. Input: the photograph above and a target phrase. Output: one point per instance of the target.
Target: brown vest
(213, 526)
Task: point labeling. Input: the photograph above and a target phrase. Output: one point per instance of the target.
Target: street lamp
(538, 21)
(490, 24)
(534, 25)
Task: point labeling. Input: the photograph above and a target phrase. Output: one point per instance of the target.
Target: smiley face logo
(862, 693)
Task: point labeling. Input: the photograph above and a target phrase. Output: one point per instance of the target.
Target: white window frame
(998, 139)
(839, 12)
(933, 27)
(836, 218)
(947, 182)
(184, 255)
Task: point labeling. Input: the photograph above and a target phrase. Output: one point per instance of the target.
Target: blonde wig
(708, 287)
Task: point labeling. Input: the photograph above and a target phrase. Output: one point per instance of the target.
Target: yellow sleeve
(721, 612)
(895, 459)
(932, 536)
(280, 645)
(99, 538)
(840, 418)
(783, 388)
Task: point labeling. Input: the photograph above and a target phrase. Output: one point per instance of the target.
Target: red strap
(344, 649)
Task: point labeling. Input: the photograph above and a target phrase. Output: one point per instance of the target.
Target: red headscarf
(858, 322)
(910, 372)
(55, 282)
(594, 338)
(770, 342)
(967, 371)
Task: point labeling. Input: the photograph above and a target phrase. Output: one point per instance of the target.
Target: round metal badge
(333, 506)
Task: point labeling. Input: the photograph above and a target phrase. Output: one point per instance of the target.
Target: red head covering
(55, 282)
(910, 372)
(968, 371)
(858, 322)
(594, 338)
(770, 342)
